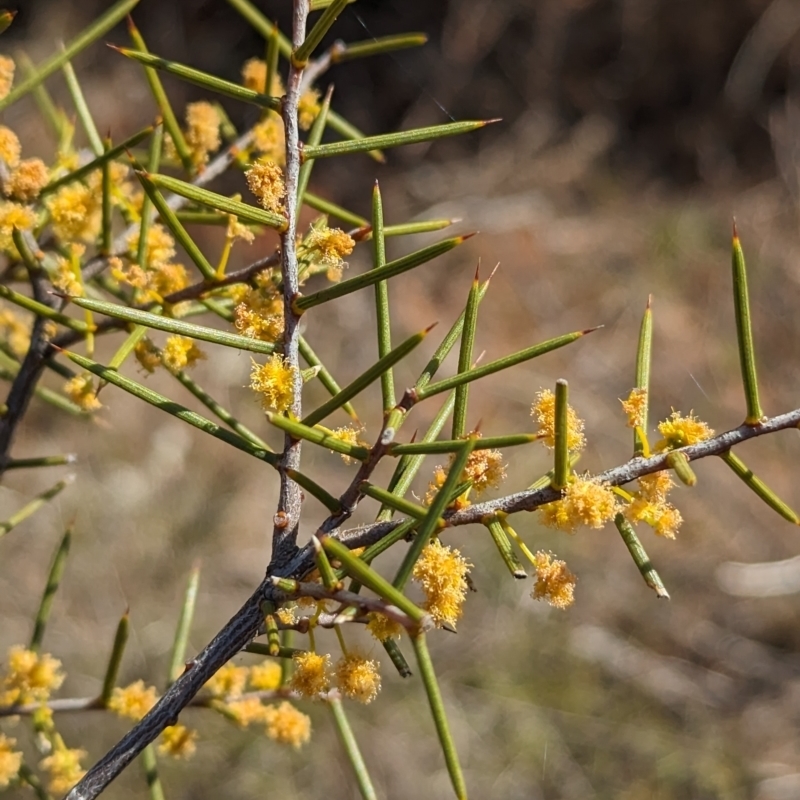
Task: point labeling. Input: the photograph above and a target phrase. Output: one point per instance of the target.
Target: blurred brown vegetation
(619, 163)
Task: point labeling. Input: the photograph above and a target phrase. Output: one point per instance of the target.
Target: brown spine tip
(466, 236)
(591, 330)
(735, 232)
(427, 330)
(492, 121)
(130, 23)
(477, 277)
(359, 234)
(649, 302)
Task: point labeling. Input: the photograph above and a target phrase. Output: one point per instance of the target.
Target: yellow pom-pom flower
(584, 502)
(442, 572)
(554, 581)
(180, 352)
(307, 108)
(679, 431)
(10, 148)
(383, 628)
(265, 181)
(14, 215)
(64, 767)
(310, 675)
(265, 676)
(259, 315)
(358, 678)
(202, 131)
(178, 741)
(229, 681)
(148, 355)
(544, 412)
(75, 212)
(274, 381)
(352, 435)
(287, 725)
(10, 760)
(133, 701)
(634, 407)
(30, 678)
(81, 391)
(159, 247)
(15, 331)
(7, 67)
(247, 711)
(27, 180)
(269, 139)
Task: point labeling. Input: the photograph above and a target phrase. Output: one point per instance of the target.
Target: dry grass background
(589, 208)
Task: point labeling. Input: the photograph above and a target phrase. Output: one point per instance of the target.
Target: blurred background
(632, 132)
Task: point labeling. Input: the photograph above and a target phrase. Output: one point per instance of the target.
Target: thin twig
(284, 535)
(64, 705)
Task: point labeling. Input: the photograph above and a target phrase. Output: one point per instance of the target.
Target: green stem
(439, 717)
(351, 749)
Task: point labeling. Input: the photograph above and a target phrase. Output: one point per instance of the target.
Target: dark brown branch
(30, 370)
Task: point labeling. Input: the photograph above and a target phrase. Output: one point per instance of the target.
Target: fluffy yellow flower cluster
(355, 676)
(383, 628)
(265, 181)
(554, 581)
(160, 276)
(442, 572)
(543, 411)
(310, 674)
(179, 353)
(274, 381)
(351, 434)
(679, 431)
(26, 178)
(649, 504)
(259, 314)
(282, 723)
(10, 760)
(325, 248)
(64, 767)
(484, 470)
(15, 330)
(30, 678)
(202, 131)
(634, 407)
(584, 502)
(135, 700)
(358, 678)
(7, 67)
(81, 390)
